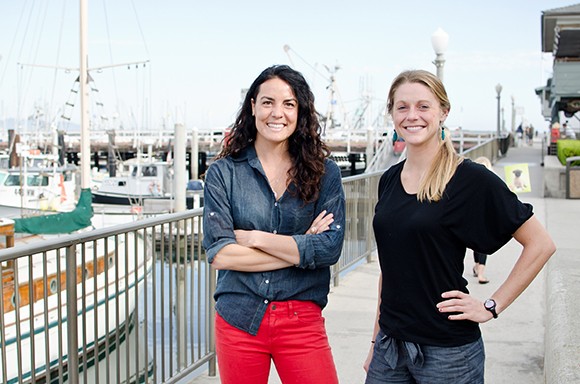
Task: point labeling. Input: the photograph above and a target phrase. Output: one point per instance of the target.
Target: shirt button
(266, 301)
(267, 281)
(275, 204)
(274, 307)
(274, 231)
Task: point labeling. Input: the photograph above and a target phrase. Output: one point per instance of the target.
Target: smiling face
(275, 109)
(417, 114)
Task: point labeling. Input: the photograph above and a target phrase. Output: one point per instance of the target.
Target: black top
(422, 247)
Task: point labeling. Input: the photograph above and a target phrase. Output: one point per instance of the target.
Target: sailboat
(33, 311)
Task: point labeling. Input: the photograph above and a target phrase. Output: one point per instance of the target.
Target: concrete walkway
(514, 342)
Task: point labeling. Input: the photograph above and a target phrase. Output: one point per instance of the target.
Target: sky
(200, 55)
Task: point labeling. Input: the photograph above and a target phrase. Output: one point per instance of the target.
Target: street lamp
(513, 115)
(439, 40)
(502, 119)
(498, 89)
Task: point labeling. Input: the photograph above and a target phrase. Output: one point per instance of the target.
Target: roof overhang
(561, 31)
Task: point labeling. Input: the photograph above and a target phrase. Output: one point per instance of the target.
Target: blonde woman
(432, 207)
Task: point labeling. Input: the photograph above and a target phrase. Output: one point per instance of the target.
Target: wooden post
(7, 230)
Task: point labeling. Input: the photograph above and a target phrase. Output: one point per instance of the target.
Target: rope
(115, 88)
(140, 29)
(58, 51)
(14, 39)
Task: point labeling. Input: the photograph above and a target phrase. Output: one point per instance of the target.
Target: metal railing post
(335, 273)
(371, 189)
(71, 315)
(212, 369)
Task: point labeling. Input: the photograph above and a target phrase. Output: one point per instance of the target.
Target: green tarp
(65, 222)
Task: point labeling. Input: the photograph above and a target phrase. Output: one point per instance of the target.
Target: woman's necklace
(278, 183)
(276, 169)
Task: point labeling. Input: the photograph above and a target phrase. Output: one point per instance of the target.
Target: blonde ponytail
(441, 171)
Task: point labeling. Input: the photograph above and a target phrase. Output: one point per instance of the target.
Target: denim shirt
(237, 196)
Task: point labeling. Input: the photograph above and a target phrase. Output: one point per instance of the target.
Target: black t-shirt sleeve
(387, 178)
(482, 211)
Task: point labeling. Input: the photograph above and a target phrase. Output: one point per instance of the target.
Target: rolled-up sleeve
(217, 218)
(324, 249)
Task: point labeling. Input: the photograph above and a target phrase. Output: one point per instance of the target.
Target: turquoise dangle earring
(395, 136)
(442, 133)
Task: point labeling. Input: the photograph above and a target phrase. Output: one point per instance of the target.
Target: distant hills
(11, 123)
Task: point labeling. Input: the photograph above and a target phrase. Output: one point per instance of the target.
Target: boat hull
(120, 199)
(44, 331)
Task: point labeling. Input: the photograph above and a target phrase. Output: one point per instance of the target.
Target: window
(149, 171)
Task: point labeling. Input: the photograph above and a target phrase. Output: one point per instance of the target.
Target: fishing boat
(37, 190)
(148, 185)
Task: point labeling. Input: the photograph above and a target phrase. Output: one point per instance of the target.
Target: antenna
(286, 49)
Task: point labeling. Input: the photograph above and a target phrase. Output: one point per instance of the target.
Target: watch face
(489, 303)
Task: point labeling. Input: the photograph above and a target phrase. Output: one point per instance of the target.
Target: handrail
(141, 281)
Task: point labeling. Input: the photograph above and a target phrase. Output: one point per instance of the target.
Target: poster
(517, 177)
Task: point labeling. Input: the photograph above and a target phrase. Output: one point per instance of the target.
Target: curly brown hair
(307, 150)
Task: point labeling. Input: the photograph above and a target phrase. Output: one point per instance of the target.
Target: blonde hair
(447, 160)
(485, 161)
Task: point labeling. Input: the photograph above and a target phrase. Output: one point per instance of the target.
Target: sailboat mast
(85, 145)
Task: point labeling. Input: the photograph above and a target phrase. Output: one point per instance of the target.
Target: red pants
(292, 334)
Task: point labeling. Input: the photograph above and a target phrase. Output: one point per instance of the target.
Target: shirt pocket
(302, 217)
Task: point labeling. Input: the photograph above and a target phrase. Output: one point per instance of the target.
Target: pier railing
(132, 302)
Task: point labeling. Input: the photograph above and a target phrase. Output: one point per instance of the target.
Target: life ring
(154, 188)
(62, 188)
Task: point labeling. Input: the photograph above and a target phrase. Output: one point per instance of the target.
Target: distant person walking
(480, 258)
(530, 134)
(519, 134)
(273, 225)
(432, 207)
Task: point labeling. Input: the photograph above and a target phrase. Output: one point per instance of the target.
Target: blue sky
(202, 54)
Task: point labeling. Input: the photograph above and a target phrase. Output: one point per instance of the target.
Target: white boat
(34, 190)
(39, 329)
(147, 184)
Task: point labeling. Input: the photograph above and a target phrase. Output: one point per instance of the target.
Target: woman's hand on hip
(463, 307)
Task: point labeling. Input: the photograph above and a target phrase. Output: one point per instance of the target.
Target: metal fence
(361, 193)
(129, 303)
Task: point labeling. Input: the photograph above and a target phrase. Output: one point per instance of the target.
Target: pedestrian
(432, 207)
(530, 133)
(273, 225)
(520, 134)
(479, 258)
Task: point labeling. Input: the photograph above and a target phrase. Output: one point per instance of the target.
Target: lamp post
(513, 114)
(439, 40)
(498, 89)
(502, 119)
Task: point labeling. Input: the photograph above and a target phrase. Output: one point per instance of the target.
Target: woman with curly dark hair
(273, 226)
